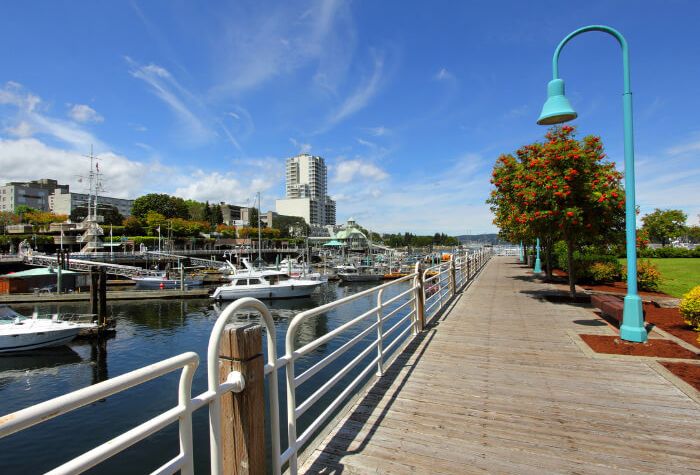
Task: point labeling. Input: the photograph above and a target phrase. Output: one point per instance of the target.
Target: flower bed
(690, 373)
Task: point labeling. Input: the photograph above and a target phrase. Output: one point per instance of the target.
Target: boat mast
(259, 233)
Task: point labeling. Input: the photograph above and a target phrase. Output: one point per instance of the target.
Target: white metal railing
(396, 306)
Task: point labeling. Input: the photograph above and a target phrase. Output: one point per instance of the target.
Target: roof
(34, 272)
(334, 243)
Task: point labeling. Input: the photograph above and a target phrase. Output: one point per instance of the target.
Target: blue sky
(409, 102)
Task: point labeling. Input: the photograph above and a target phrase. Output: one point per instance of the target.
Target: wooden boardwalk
(501, 385)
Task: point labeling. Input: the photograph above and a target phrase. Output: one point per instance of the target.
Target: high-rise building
(306, 191)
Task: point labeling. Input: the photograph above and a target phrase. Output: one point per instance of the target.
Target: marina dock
(502, 384)
(196, 293)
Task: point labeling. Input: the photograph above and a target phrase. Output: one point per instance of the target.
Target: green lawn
(679, 274)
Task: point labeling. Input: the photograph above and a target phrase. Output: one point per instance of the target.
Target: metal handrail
(450, 278)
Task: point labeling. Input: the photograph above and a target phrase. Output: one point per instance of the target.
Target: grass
(679, 275)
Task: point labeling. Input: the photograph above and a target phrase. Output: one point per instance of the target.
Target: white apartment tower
(306, 191)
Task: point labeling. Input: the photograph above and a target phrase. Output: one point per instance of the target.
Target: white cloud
(443, 75)
(349, 170)
(32, 119)
(688, 147)
(31, 159)
(216, 187)
(83, 113)
(378, 131)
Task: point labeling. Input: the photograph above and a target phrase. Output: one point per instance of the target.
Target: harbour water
(147, 332)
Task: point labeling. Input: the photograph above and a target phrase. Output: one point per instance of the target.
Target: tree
(664, 225)
(195, 210)
(166, 205)
(290, 226)
(43, 217)
(561, 189)
(693, 233)
(132, 226)
(253, 217)
(110, 214)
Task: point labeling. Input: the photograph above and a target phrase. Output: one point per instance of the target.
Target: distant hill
(480, 238)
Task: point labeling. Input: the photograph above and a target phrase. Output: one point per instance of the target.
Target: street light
(538, 263)
(557, 110)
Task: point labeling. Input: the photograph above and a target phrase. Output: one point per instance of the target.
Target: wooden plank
(498, 385)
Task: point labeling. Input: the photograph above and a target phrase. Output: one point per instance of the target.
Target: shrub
(601, 272)
(690, 308)
(648, 276)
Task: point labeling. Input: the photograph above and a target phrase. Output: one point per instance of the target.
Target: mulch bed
(654, 347)
(670, 320)
(690, 373)
(620, 288)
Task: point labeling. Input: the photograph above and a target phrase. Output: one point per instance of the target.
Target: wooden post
(93, 290)
(102, 315)
(453, 277)
(420, 299)
(243, 414)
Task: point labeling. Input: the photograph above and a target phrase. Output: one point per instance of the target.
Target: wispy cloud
(83, 113)
(378, 131)
(260, 45)
(180, 101)
(360, 97)
(444, 75)
(349, 170)
(300, 146)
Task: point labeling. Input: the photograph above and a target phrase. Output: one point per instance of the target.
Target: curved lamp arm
(605, 29)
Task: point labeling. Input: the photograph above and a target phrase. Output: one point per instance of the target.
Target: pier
(502, 384)
(472, 370)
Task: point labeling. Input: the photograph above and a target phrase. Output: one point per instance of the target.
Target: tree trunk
(548, 258)
(572, 271)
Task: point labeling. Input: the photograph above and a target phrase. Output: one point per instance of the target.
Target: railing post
(380, 334)
(419, 299)
(243, 413)
(453, 278)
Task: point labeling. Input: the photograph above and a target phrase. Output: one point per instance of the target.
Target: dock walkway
(501, 384)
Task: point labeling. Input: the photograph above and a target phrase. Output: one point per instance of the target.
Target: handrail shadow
(347, 432)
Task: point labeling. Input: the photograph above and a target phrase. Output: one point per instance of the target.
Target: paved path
(501, 385)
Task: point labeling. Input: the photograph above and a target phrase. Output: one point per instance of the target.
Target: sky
(409, 102)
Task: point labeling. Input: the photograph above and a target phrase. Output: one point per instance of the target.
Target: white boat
(20, 333)
(266, 284)
(163, 282)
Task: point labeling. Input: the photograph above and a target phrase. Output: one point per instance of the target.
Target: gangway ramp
(196, 261)
(85, 266)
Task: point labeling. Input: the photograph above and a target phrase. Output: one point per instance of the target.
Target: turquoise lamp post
(538, 263)
(558, 110)
(522, 253)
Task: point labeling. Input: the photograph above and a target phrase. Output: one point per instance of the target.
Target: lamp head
(557, 108)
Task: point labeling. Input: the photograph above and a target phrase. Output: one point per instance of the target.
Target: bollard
(243, 414)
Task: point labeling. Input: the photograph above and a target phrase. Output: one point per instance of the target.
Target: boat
(20, 333)
(358, 274)
(164, 282)
(265, 284)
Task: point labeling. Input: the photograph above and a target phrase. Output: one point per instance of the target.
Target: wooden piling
(243, 414)
(102, 314)
(94, 285)
(420, 300)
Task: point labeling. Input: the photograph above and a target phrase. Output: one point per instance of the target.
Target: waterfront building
(34, 194)
(306, 188)
(62, 201)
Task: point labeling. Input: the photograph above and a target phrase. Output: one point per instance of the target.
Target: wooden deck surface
(500, 385)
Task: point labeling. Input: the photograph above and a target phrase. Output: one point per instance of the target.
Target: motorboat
(20, 333)
(265, 284)
(358, 274)
(165, 282)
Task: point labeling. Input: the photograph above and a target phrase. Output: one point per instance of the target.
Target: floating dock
(111, 295)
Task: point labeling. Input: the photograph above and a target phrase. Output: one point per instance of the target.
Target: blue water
(149, 331)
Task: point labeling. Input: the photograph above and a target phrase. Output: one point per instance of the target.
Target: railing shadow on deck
(356, 419)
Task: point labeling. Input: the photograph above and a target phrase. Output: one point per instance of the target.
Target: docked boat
(265, 284)
(20, 333)
(164, 282)
(358, 274)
